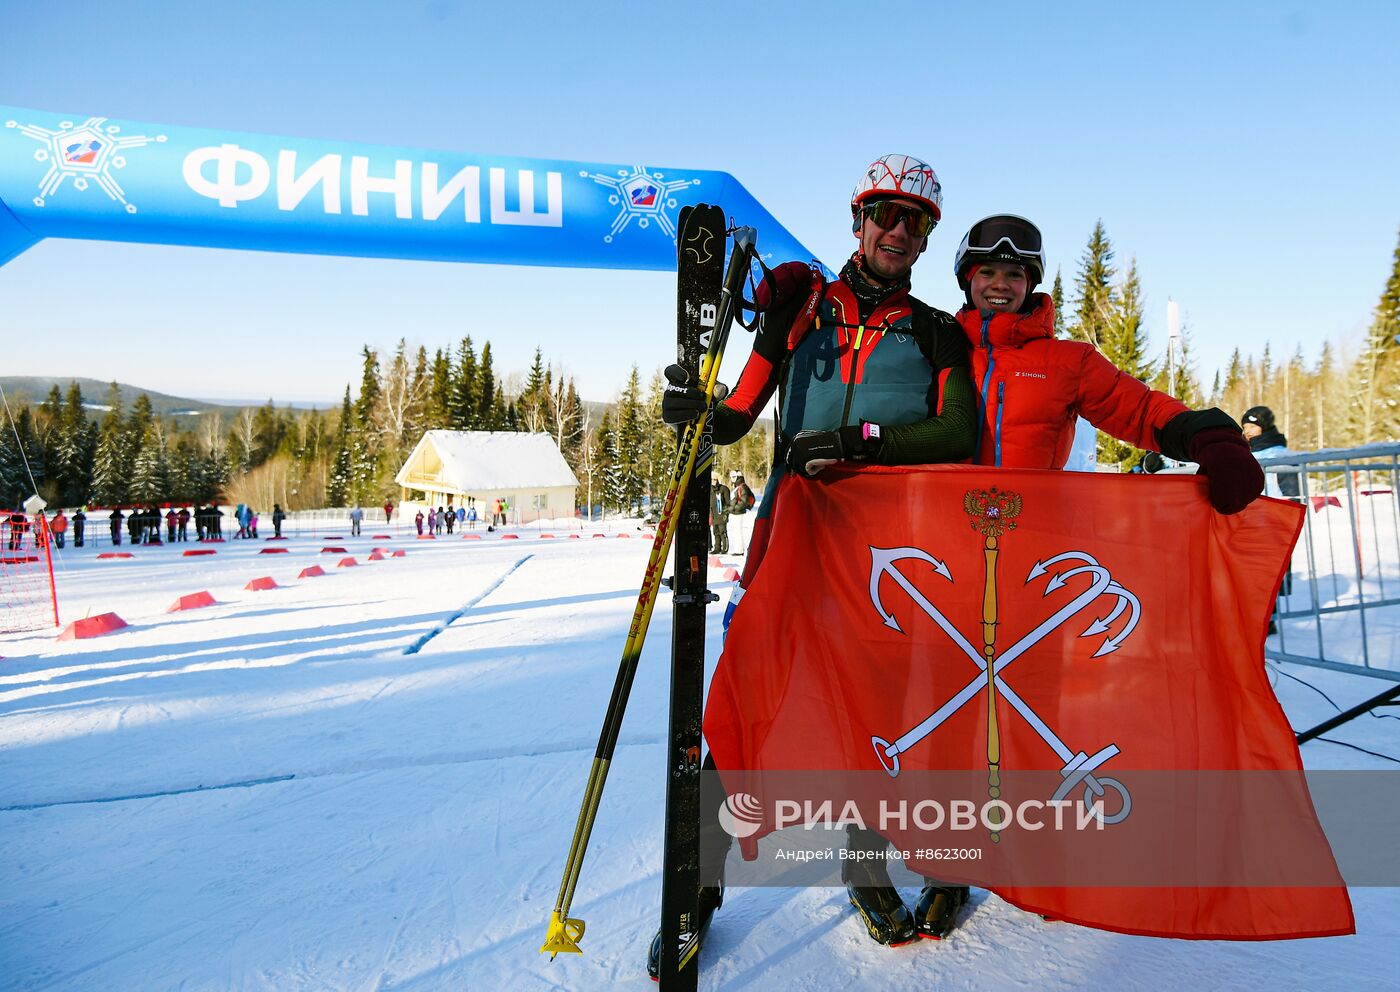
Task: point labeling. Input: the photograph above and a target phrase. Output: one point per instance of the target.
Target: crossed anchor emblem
(993, 513)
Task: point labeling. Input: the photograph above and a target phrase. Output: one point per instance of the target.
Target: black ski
(699, 273)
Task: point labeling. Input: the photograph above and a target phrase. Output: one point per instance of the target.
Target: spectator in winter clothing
(913, 402)
(171, 519)
(79, 525)
(741, 499)
(461, 517)
(183, 519)
(59, 528)
(719, 515)
(1266, 442)
(471, 517)
(136, 525)
(388, 511)
(418, 522)
(277, 517)
(19, 526)
(451, 518)
(356, 515)
(114, 523)
(432, 521)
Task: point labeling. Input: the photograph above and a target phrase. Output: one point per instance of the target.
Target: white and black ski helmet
(900, 175)
(1001, 238)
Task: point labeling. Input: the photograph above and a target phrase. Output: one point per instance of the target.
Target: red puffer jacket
(1031, 387)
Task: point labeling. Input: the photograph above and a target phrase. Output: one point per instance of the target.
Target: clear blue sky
(1248, 155)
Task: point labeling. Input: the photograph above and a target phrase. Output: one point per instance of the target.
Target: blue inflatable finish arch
(67, 176)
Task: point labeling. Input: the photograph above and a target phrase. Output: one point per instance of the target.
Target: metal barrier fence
(1339, 607)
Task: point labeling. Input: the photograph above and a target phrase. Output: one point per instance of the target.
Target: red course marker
(261, 583)
(103, 623)
(191, 602)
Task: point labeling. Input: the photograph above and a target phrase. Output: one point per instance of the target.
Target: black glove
(860, 443)
(681, 402)
(1233, 475)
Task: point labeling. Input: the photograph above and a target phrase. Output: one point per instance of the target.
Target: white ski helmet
(900, 175)
(1001, 238)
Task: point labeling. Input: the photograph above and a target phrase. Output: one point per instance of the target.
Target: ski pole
(565, 932)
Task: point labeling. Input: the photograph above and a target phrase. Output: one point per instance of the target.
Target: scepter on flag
(993, 513)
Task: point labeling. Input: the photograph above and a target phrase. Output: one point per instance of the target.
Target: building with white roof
(526, 470)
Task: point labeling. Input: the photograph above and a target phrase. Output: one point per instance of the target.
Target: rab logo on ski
(698, 245)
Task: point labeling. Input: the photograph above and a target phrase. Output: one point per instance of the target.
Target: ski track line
(492, 754)
(417, 645)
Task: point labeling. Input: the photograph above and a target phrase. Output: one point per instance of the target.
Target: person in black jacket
(719, 515)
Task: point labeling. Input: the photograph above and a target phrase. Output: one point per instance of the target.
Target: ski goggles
(886, 215)
(1020, 235)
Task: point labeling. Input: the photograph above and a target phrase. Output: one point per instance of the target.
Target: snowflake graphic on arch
(86, 152)
(643, 195)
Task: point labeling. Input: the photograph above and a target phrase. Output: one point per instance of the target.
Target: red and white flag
(1122, 622)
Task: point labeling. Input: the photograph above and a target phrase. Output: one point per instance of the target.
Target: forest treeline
(622, 456)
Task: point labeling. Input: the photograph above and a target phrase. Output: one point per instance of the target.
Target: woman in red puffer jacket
(1032, 386)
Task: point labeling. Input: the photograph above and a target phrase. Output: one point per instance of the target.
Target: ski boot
(711, 899)
(868, 888)
(936, 913)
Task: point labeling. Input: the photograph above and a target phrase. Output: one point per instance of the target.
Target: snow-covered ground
(271, 794)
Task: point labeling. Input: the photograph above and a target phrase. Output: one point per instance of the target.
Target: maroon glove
(781, 284)
(1233, 476)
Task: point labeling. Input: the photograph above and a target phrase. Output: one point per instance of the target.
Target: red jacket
(1031, 387)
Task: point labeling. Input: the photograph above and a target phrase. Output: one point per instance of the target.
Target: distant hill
(35, 388)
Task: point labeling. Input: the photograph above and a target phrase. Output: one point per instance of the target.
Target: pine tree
(630, 444)
(1375, 414)
(658, 442)
(150, 472)
(1123, 342)
(491, 408)
(465, 404)
(77, 442)
(1094, 286)
(532, 405)
(1057, 297)
(11, 471)
(611, 467)
(186, 478)
(364, 451)
(110, 469)
(338, 485)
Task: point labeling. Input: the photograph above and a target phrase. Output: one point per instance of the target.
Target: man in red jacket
(1032, 386)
